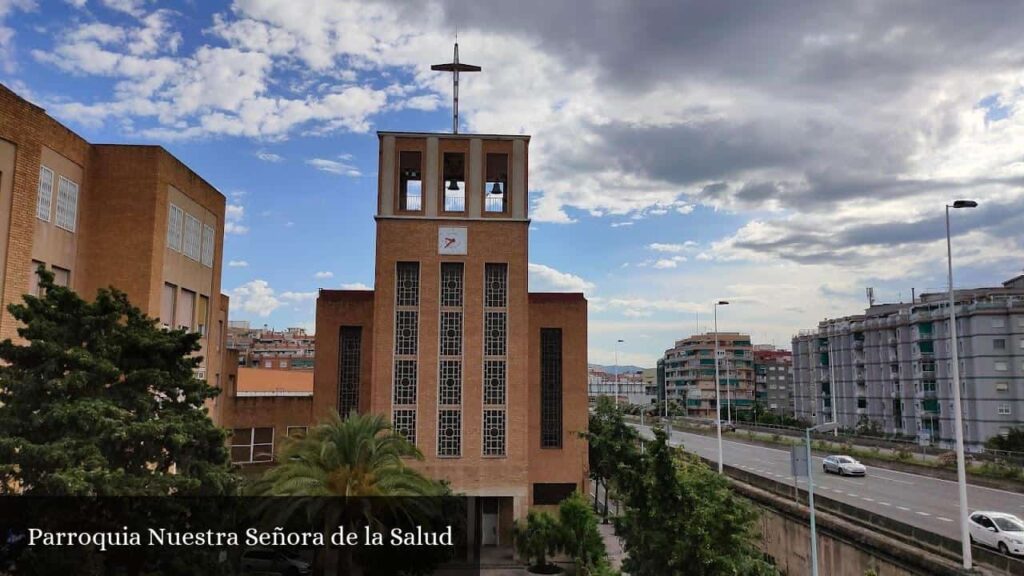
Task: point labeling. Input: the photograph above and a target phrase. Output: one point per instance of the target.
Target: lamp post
(961, 474)
(617, 342)
(810, 491)
(718, 391)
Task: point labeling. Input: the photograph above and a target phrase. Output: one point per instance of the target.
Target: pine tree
(97, 401)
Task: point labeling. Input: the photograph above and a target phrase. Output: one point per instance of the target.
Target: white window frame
(1001, 367)
(66, 215)
(175, 226)
(193, 235)
(1002, 386)
(252, 446)
(208, 246)
(44, 200)
(1003, 409)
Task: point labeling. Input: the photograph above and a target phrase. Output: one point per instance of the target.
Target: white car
(998, 530)
(843, 465)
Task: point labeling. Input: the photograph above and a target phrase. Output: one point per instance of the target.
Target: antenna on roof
(455, 67)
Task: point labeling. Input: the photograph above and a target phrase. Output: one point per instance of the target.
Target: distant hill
(624, 368)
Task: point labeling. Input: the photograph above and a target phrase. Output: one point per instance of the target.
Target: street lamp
(961, 474)
(718, 391)
(826, 427)
(617, 342)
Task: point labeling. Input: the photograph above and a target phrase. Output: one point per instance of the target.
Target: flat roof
(270, 382)
(381, 133)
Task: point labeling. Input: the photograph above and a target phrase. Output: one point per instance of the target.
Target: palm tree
(357, 459)
(359, 456)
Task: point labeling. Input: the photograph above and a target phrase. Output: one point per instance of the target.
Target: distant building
(890, 366)
(690, 373)
(291, 349)
(773, 379)
(628, 387)
(650, 379)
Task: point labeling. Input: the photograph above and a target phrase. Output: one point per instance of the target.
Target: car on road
(726, 425)
(1004, 532)
(843, 465)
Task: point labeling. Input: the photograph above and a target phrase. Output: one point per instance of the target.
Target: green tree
(580, 537)
(359, 456)
(681, 518)
(612, 446)
(99, 401)
(536, 539)
(1013, 441)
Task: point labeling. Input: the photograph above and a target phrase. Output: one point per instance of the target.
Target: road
(930, 503)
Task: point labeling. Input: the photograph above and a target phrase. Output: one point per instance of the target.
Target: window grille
(407, 284)
(494, 382)
(45, 196)
(208, 241)
(451, 284)
(67, 204)
(451, 333)
(551, 387)
(350, 342)
(406, 332)
(496, 288)
(449, 433)
(175, 221)
(405, 383)
(405, 424)
(494, 432)
(494, 333)
(193, 230)
(450, 383)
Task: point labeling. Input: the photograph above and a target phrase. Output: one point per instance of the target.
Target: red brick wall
(334, 309)
(569, 463)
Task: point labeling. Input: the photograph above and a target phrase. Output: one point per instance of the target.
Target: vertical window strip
(175, 219)
(405, 423)
(348, 371)
(496, 285)
(451, 333)
(404, 385)
(451, 284)
(494, 382)
(407, 279)
(495, 333)
(208, 241)
(450, 383)
(551, 388)
(494, 433)
(67, 204)
(192, 237)
(406, 332)
(449, 433)
(45, 197)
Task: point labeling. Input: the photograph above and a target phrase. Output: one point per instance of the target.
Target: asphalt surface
(930, 503)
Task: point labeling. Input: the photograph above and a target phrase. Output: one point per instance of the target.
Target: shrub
(536, 539)
(580, 538)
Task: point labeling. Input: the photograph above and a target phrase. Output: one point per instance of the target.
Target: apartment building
(690, 373)
(627, 387)
(773, 379)
(889, 369)
(290, 349)
(100, 215)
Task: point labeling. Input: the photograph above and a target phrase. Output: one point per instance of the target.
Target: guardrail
(906, 533)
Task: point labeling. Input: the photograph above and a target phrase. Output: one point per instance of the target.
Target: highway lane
(927, 502)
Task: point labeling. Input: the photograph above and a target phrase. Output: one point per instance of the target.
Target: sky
(781, 155)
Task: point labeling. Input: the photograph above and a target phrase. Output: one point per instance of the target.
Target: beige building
(100, 215)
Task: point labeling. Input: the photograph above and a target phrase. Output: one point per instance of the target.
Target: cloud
(256, 297)
(8, 7)
(238, 264)
(233, 216)
(340, 168)
(356, 286)
(621, 224)
(673, 248)
(321, 275)
(268, 156)
(298, 296)
(545, 278)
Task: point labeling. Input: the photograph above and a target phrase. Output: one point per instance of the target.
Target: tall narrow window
(202, 314)
(449, 433)
(67, 205)
(450, 383)
(186, 309)
(551, 387)
(351, 341)
(45, 199)
(494, 432)
(496, 285)
(494, 382)
(454, 181)
(494, 333)
(61, 276)
(33, 279)
(451, 333)
(407, 287)
(496, 184)
(405, 373)
(451, 284)
(192, 237)
(410, 181)
(168, 303)
(208, 241)
(175, 222)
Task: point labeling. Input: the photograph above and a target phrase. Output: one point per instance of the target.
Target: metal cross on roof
(455, 67)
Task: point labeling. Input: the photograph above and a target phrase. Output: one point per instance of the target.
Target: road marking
(854, 495)
(892, 479)
(867, 499)
(885, 504)
(944, 519)
(904, 509)
(923, 513)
